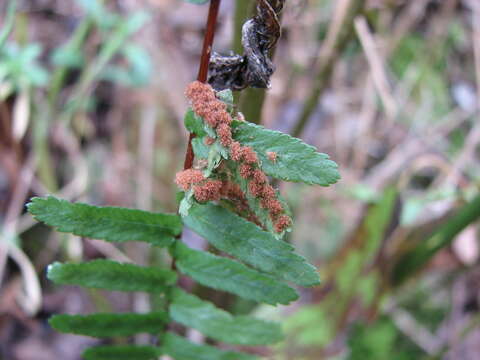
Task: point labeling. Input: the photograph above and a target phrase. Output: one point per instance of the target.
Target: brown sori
(215, 114)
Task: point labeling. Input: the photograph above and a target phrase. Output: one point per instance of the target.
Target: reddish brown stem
(203, 69)
(208, 40)
(188, 163)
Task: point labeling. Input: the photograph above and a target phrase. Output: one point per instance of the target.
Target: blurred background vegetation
(91, 109)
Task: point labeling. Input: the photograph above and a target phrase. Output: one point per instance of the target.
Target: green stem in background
(250, 101)
(43, 161)
(74, 45)
(40, 126)
(81, 91)
(251, 104)
(46, 116)
(8, 24)
(412, 262)
(243, 9)
(340, 36)
(310, 104)
(80, 94)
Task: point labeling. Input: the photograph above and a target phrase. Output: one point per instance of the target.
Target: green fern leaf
(254, 202)
(181, 349)
(295, 161)
(194, 123)
(106, 223)
(238, 237)
(110, 325)
(218, 324)
(111, 275)
(122, 352)
(228, 275)
(200, 150)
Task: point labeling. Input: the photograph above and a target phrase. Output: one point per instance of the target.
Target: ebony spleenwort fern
(227, 200)
(265, 266)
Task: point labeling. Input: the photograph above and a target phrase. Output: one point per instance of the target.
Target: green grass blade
(182, 349)
(238, 237)
(8, 22)
(112, 224)
(228, 275)
(218, 324)
(111, 275)
(413, 260)
(110, 325)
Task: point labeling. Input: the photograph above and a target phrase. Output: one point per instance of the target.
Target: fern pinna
(228, 200)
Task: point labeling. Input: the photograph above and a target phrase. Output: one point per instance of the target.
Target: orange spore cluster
(255, 188)
(236, 151)
(268, 192)
(272, 156)
(233, 192)
(246, 171)
(185, 179)
(214, 112)
(259, 176)
(282, 223)
(272, 204)
(203, 189)
(249, 155)
(209, 190)
(225, 134)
